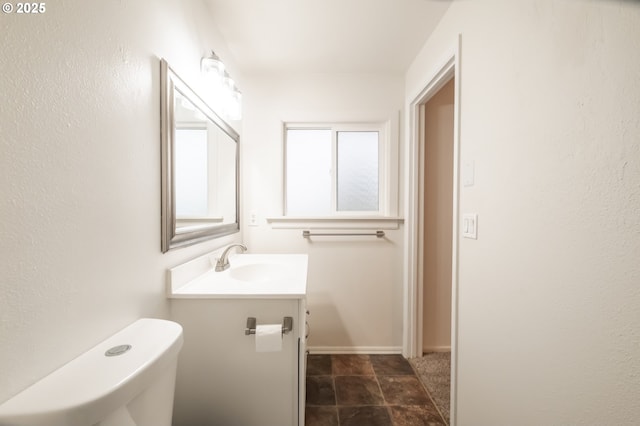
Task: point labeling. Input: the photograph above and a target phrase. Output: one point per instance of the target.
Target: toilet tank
(127, 380)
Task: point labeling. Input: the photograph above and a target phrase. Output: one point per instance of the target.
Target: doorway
(417, 310)
(435, 242)
(436, 218)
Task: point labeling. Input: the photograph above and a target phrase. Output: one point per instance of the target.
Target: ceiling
(319, 36)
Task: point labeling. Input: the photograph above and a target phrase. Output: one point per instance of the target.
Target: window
(357, 171)
(335, 169)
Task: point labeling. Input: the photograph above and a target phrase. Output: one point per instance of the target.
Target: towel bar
(307, 234)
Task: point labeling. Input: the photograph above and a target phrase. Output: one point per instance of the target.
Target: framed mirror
(199, 167)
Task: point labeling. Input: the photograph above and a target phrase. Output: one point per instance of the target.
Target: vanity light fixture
(227, 97)
(213, 66)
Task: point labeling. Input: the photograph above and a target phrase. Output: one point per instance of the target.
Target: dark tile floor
(366, 390)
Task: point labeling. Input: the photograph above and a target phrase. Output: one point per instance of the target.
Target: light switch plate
(253, 219)
(468, 173)
(470, 225)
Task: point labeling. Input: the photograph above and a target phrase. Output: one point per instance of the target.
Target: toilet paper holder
(287, 325)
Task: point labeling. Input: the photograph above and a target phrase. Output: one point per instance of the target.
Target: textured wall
(80, 173)
(549, 302)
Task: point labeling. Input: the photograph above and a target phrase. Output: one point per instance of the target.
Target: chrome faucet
(222, 263)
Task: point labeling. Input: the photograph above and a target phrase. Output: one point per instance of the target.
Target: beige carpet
(434, 371)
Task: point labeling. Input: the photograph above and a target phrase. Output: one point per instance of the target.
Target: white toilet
(127, 380)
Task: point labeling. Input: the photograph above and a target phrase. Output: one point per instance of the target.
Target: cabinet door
(221, 379)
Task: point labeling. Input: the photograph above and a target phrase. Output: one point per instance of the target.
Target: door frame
(414, 169)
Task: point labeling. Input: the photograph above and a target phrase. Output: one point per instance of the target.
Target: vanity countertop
(250, 276)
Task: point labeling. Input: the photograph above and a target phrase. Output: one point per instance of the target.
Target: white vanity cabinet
(221, 379)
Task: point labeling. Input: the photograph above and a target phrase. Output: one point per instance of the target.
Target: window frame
(387, 179)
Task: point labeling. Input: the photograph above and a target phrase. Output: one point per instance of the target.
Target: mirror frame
(171, 238)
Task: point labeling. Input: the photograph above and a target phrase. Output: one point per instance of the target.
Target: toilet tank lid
(90, 387)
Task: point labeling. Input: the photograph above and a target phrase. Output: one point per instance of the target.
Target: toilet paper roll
(269, 338)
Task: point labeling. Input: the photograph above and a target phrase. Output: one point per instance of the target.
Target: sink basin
(259, 272)
(249, 276)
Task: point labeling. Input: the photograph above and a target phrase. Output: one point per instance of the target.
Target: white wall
(80, 164)
(549, 302)
(354, 284)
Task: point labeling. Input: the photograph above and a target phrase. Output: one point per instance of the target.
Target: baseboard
(436, 349)
(355, 350)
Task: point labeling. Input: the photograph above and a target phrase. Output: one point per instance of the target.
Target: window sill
(336, 222)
